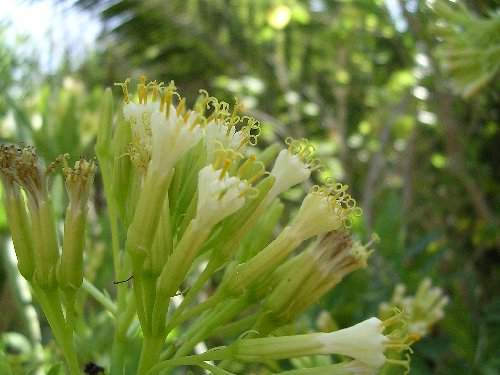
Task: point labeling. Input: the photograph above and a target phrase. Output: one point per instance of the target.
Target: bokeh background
(400, 97)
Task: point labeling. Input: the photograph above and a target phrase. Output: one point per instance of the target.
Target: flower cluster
(189, 200)
(424, 309)
(55, 275)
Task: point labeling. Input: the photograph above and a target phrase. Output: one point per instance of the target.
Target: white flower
(318, 214)
(219, 195)
(139, 116)
(289, 170)
(218, 134)
(359, 368)
(364, 342)
(172, 137)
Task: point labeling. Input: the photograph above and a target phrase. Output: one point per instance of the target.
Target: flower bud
(219, 195)
(325, 209)
(20, 228)
(21, 166)
(310, 276)
(78, 181)
(293, 166)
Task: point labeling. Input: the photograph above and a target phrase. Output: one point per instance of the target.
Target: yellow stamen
(225, 168)
(124, 86)
(142, 91)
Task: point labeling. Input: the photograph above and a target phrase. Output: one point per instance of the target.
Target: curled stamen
(305, 150)
(124, 86)
(251, 130)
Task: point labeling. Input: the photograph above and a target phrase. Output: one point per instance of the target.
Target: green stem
(139, 302)
(99, 296)
(202, 328)
(150, 354)
(120, 340)
(118, 355)
(198, 309)
(192, 360)
(51, 304)
(149, 295)
(179, 316)
(236, 328)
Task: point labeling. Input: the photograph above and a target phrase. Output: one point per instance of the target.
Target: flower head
(219, 193)
(365, 342)
(21, 166)
(325, 209)
(293, 166)
(79, 181)
(177, 131)
(311, 274)
(159, 125)
(227, 128)
(424, 309)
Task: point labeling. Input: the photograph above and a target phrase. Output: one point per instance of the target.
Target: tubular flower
(219, 193)
(158, 125)
(17, 214)
(365, 342)
(311, 274)
(293, 166)
(225, 128)
(325, 209)
(177, 132)
(78, 182)
(220, 134)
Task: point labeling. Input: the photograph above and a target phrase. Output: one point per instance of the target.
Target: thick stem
(51, 305)
(118, 355)
(150, 354)
(204, 327)
(180, 315)
(99, 296)
(120, 340)
(193, 360)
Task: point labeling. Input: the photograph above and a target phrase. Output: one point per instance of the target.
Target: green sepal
(162, 244)
(70, 268)
(44, 235)
(141, 232)
(269, 154)
(20, 228)
(122, 168)
(185, 183)
(262, 233)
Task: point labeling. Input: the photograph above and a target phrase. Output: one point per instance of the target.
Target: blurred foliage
(471, 48)
(372, 86)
